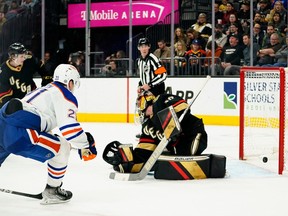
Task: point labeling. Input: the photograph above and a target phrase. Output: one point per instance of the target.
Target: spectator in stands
(269, 31)
(267, 53)
(258, 20)
(2, 20)
(180, 61)
(179, 34)
(223, 6)
(233, 30)
(278, 23)
(192, 34)
(110, 70)
(208, 59)
(13, 10)
(163, 51)
(244, 12)
(263, 10)
(258, 34)
(244, 16)
(204, 28)
(284, 3)
(195, 58)
(47, 70)
(281, 56)
(122, 64)
(220, 37)
(3, 6)
(218, 14)
(278, 7)
(235, 69)
(233, 20)
(230, 10)
(120, 54)
(231, 55)
(78, 62)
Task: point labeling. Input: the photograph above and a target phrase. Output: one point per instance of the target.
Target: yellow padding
(194, 169)
(129, 118)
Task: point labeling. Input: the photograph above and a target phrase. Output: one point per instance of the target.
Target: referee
(152, 72)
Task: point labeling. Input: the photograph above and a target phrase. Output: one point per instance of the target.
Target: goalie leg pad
(190, 167)
(182, 167)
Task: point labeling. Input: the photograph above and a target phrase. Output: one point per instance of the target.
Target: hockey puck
(265, 159)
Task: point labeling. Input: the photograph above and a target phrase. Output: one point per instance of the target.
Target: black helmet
(16, 48)
(143, 41)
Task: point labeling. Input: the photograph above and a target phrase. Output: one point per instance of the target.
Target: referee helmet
(143, 41)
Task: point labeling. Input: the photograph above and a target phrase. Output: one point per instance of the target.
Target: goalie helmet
(145, 99)
(16, 48)
(66, 72)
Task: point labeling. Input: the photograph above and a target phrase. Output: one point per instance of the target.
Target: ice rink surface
(247, 190)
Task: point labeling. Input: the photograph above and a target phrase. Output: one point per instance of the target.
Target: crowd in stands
(232, 37)
(10, 8)
(192, 47)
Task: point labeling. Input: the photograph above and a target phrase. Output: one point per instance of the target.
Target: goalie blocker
(190, 167)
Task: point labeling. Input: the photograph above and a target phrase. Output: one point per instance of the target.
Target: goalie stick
(34, 196)
(157, 152)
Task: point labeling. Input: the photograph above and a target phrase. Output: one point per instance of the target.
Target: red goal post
(263, 111)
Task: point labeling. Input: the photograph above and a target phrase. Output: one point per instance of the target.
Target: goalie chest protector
(190, 167)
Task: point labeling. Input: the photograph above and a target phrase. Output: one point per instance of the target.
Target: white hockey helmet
(66, 72)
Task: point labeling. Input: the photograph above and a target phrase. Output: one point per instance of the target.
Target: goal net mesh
(263, 116)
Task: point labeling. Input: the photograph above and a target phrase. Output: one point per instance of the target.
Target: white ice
(247, 190)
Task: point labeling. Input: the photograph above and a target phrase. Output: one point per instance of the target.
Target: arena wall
(113, 99)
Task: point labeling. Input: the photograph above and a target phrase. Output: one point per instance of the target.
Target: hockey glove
(90, 152)
(110, 153)
(116, 153)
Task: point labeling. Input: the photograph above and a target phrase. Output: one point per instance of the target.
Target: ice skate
(55, 195)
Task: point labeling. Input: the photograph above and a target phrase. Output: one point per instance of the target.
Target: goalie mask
(144, 100)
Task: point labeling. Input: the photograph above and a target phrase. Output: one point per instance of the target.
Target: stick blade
(125, 176)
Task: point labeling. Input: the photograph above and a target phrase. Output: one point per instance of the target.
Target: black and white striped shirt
(151, 70)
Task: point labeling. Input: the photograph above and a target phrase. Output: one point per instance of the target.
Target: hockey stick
(156, 153)
(34, 196)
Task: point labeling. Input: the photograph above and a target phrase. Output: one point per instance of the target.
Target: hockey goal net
(262, 134)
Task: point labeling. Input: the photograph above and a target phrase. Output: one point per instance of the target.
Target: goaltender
(191, 141)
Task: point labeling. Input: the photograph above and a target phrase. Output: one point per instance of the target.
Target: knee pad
(195, 144)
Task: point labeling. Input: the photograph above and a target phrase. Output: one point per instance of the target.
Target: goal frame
(282, 95)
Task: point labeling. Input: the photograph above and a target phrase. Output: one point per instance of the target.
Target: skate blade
(49, 201)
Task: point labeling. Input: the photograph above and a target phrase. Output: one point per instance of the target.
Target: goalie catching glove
(90, 152)
(119, 156)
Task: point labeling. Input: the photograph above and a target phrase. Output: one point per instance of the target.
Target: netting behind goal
(263, 116)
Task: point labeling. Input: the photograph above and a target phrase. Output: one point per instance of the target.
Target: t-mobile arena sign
(117, 13)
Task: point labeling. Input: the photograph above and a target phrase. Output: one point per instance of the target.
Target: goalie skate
(55, 195)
